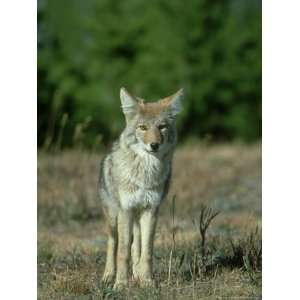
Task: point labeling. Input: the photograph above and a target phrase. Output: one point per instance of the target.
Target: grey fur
(132, 178)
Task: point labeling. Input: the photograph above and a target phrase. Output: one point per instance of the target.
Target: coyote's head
(150, 126)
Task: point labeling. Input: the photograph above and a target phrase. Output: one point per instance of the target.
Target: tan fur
(136, 248)
(133, 183)
(147, 222)
(125, 221)
(151, 109)
(165, 102)
(152, 135)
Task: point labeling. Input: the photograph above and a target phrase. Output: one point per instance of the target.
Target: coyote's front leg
(124, 245)
(112, 243)
(136, 248)
(148, 224)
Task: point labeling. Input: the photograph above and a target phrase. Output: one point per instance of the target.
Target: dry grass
(225, 178)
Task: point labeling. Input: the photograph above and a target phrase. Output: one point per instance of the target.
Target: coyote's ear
(129, 103)
(174, 103)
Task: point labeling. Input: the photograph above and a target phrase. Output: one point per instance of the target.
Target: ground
(223, 264)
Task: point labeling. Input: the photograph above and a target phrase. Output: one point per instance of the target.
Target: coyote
(134, 180)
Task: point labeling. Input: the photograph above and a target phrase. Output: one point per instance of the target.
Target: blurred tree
(88, 49)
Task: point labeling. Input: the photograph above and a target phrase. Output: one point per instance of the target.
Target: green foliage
(88, 49)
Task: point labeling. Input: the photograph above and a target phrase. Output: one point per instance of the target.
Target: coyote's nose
(154, 146)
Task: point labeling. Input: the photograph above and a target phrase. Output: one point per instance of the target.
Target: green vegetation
(88, 49)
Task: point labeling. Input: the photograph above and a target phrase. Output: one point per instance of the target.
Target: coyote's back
(134, 180)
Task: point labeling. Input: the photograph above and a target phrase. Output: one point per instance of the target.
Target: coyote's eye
(142, 127)
(162, 126)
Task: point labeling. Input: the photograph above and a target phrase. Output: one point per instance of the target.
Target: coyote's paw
(136, 272)
(120, 284)
(142, 276)
(108, 277)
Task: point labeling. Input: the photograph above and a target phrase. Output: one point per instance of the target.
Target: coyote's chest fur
(142, 180)
(134, 179)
